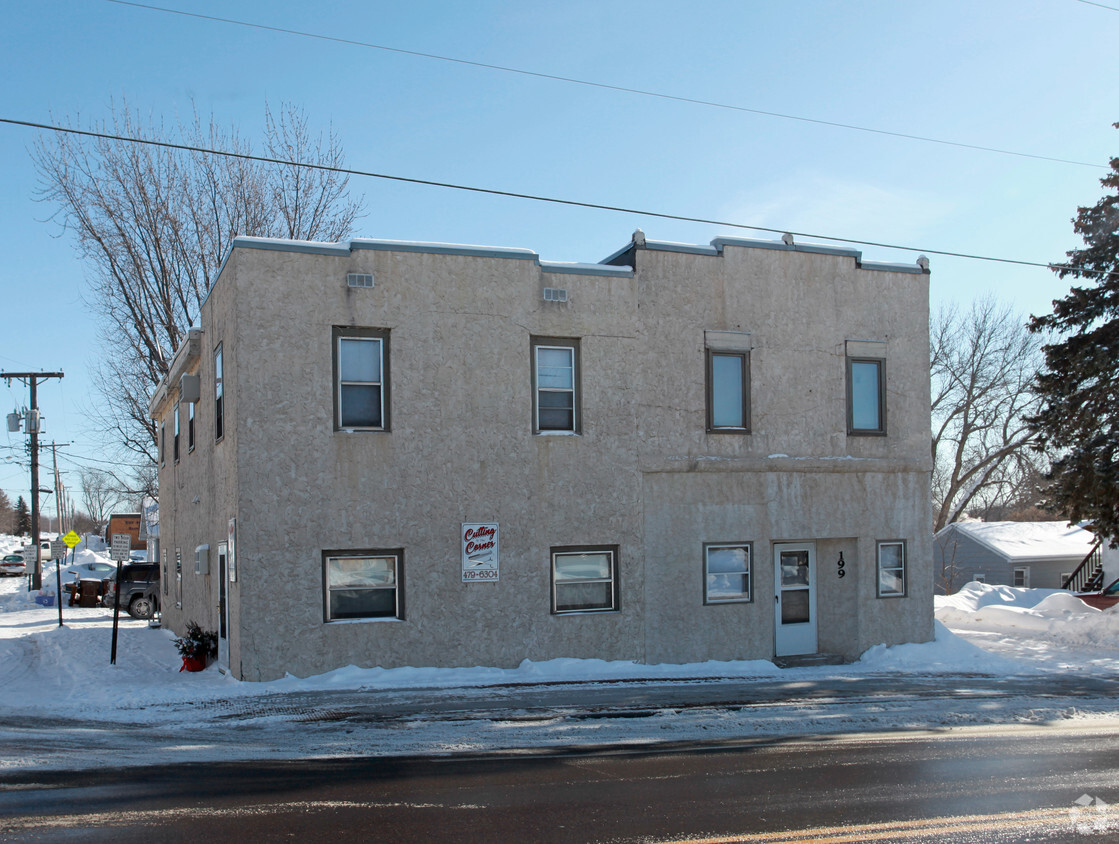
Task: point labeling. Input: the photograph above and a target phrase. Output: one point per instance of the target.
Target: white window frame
(342, 335)
(900, 569)
(1025, 572)
(555, 344)
(747, 573)
(557, 584)
(396, 586)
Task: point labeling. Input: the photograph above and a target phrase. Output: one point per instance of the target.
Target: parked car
(139, 589)
(1102, 600)
(13, 564)
(88, 571)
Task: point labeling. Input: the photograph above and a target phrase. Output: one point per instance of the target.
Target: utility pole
(32, 379)
(59, 490)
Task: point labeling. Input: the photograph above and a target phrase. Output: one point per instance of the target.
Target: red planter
(190, 663)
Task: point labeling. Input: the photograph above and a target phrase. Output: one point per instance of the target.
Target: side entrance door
(794, 565)
(223, 607)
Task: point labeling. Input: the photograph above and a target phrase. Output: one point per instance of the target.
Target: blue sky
(1032, 76)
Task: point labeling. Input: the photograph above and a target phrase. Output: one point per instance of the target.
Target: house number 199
(841, 564)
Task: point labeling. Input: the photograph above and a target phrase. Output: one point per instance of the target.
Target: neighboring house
(385, 453)
(1037, 554)
(1109, 563)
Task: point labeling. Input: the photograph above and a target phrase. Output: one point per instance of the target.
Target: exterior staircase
(1088, 576)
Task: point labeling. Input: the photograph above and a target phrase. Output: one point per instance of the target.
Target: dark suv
(139, 589)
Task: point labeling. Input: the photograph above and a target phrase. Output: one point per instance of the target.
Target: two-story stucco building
(387, 453)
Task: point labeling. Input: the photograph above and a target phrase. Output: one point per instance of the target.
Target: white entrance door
(794, 567)
(223, 607)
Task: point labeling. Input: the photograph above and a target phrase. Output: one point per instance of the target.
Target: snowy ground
(1001, 656)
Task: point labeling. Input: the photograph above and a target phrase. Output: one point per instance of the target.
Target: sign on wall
(231, 550)
(480, 558)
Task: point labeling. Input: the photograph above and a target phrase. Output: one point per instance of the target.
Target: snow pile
(1053, 613)
(549, 671)
(1046, 628)
(947, 654)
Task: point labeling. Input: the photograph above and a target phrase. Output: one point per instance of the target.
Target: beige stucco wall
(643, 475)
(198, 493)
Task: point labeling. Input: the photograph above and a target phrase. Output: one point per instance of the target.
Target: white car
(13, 564)
(89, 571)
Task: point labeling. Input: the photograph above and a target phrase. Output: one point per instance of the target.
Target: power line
(1099, 5)
(606, 86)
(347, 171)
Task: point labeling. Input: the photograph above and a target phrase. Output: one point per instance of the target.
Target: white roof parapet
(187, 353)
(464, 249)
(786, 243)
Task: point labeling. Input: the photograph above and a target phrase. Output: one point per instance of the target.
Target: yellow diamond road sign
(71, 539)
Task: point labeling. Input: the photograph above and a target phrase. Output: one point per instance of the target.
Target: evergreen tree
(23, 518)
(1078, 422)
(7, 514)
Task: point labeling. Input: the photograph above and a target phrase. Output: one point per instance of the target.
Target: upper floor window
(728, 391)
(176, 430)
(219, 401)
(555, 385)
(190, 426)
(866, 396)
(728, 381)
(162, 443)
(361, 379)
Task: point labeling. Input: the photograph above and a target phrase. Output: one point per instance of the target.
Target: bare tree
(84, 523)
(153, 224)
(945, 548)
(100, 494)
(984, 362)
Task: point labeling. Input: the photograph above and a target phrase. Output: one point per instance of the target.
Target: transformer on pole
(33, 422)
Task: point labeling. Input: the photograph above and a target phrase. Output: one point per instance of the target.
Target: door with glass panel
(223, 607)
(794, 567)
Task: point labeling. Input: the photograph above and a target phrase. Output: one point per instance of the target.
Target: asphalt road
(976, 785)
(359, 723)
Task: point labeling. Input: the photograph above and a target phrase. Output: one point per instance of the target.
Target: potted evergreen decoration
(196, 647)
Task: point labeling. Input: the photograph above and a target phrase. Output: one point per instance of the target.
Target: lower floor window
(584, 580)
(366, 585)
(891, 569)
(726, 573)
(1022, 576)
